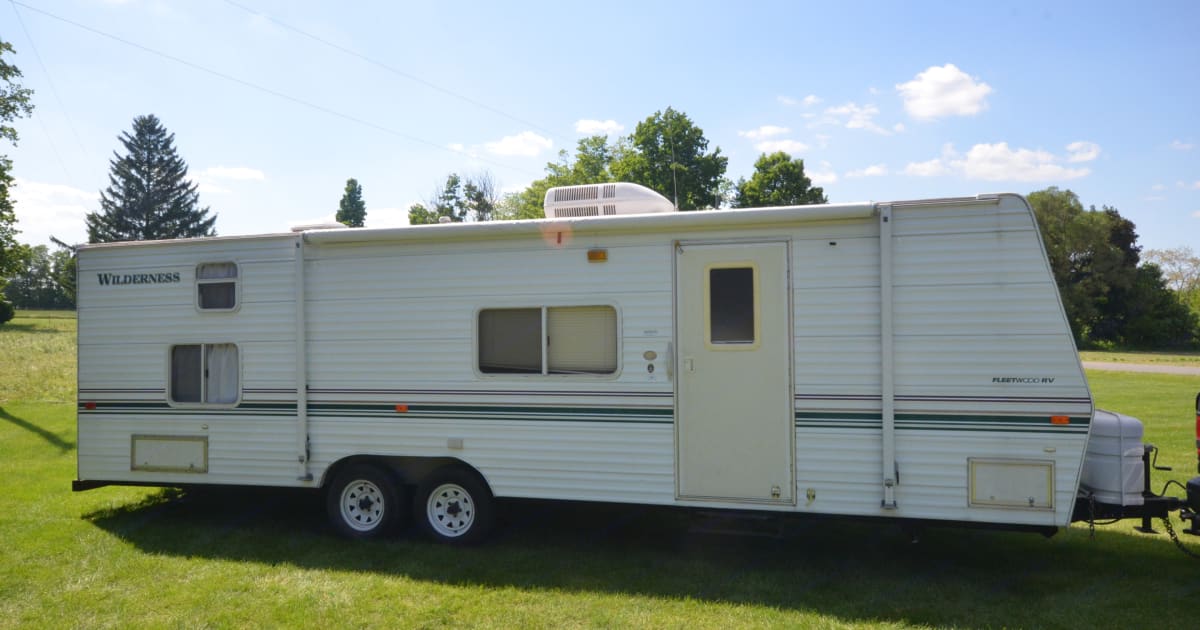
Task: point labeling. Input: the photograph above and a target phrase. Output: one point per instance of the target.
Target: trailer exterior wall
(983, 357)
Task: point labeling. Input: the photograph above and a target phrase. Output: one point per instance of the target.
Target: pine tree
(149, 196)
(352, 211)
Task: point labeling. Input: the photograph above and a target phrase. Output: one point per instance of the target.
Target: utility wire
(53, 88)
(391, 69)
(275, 93)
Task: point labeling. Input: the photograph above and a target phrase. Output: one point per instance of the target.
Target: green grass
(37, 357)
(1167, 358)
(130, 557)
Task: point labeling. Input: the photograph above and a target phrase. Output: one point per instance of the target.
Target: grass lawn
(130, 557)
(1165, 358)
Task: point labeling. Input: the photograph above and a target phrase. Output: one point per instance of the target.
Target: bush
(6, 311)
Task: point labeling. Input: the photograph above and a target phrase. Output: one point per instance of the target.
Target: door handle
(689, 365)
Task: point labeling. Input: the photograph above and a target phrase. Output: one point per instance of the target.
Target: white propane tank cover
(600, 200)
(1113, 467)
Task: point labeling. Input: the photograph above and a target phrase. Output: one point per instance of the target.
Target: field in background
(1145, 358)
(133, 557)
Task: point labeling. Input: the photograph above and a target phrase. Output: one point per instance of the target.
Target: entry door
(734, 429)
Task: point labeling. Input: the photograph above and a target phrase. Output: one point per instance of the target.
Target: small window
(205, 373)
(216, 284)
(548, 340)
(731, 305)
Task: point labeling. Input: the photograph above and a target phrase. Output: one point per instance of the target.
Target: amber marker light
(402, 408)
(597, 255)
(89, 405)
(1060, 420)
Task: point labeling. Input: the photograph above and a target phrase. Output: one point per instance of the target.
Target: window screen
(205, 373)
(217, 285)
(581, 339)
(574, 340)
(731, 305)
(510, 341)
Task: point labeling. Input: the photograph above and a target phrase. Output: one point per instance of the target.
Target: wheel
(364, 502)
(454, 506)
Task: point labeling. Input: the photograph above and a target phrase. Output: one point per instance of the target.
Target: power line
(391, 69)
(275, 93)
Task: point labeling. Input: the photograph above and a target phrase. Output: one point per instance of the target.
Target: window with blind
(548, 340)
(216, 286)
(205, 373)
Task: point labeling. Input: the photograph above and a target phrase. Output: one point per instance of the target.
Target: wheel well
(409, 471)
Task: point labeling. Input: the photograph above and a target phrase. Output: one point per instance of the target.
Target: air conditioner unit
(600, 200)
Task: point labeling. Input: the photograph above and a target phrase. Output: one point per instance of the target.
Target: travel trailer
(906, 360)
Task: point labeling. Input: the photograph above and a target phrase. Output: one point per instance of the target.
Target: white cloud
(388, 217)
(1196, 214)
(1158, 187)
(765, 131)
(875, 170)
(1196, 184)
(823, 175)
(899, 128)
(811, 99)
(787, 146)
(44, 209)
(823, 141)
(997, 162)
(596, 127)
(1155, 198)
(524, 144)
(1180, 145)
(873, 91)
(931, 168)
(854, 116)
(942, 91)
(1082, 151)
(787, 100)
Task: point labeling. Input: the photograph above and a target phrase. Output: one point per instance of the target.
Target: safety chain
(1175, 538)
(1092, 517)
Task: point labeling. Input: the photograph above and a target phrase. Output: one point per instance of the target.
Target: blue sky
(275, 103)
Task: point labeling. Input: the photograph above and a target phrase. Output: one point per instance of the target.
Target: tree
(1181, 271)
(1108, 297)
(14, 103)
(39, 284)
(470, 198)
(778, 180)
(149, 196)
(352, 211)
(668, 153)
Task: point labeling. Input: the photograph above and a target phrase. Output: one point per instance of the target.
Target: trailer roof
(581, 225)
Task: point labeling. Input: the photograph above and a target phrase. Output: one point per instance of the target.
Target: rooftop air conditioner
(601, 200)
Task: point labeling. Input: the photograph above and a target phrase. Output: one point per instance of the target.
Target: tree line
(1114, 294)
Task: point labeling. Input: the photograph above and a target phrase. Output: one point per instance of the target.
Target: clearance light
(91, 405)
(597, 255)
(402, 408)
(1060, 420)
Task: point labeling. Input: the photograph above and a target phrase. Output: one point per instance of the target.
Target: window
(216, 286)
(731, 306)
(548, 340)
(205, 373)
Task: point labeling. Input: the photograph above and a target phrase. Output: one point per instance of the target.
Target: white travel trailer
(904, 360)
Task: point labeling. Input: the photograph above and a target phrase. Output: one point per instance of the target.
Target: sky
(276, 103)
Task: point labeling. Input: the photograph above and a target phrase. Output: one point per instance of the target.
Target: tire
(364, 502)
(454, 506)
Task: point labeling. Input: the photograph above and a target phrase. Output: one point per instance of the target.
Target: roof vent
(618, 199)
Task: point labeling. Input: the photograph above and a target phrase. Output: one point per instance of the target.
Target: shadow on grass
(851, 571)
(54, 440)
(36, 328)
